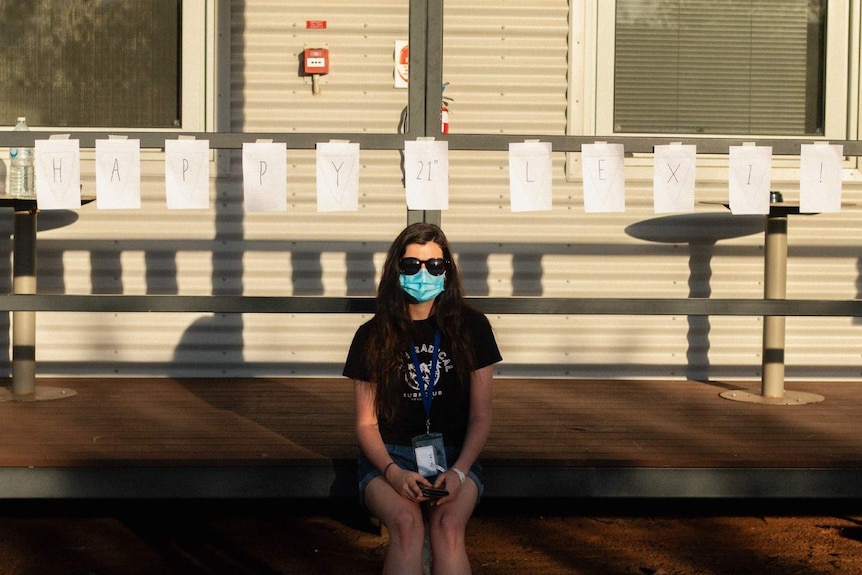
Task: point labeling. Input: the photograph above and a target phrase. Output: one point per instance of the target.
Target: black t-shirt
(450, 406)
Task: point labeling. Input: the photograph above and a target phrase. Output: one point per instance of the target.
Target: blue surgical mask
(422, 286)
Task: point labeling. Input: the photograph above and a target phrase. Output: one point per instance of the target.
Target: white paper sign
(750, 178)
(187, 174)
(820, 178)
(426, 174)
(530, 187)
(118, 174)
(58, 174)
(604, 177)
(337, 177)
(264, 176)
(673, 178)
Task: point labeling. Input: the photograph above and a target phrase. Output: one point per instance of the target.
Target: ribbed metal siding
(224, 250)
(356, 96)
(506, 63)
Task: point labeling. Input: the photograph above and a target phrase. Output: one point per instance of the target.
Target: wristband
(459, 473)
(385, 469)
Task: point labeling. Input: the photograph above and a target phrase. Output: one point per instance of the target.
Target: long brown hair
(394, 328)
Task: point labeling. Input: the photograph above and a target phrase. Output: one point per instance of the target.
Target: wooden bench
(293, 437)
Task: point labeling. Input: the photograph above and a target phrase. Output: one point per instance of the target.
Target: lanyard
(426, 387)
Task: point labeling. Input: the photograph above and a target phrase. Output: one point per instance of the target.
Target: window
(133, 64)
(731, 67)
(722, 67)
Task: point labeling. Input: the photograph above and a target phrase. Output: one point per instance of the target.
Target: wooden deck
(165, 438)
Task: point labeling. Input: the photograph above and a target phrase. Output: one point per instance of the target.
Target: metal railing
(492, 305)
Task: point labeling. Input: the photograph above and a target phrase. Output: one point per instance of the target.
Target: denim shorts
(404, 458)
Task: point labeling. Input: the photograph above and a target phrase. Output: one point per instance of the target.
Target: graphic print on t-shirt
(413, 382)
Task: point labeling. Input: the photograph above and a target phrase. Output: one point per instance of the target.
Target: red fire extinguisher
(444, 112)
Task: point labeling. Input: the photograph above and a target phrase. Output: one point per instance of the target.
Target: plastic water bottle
(21, 169)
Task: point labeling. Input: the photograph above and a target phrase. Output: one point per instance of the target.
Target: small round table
(24, 386)
(774, 287)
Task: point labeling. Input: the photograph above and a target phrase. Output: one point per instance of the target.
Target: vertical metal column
(24, 386)
(24, 322)
(426, 82)
(774, 287)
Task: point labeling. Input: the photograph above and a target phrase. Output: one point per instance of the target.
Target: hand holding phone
(433, 492)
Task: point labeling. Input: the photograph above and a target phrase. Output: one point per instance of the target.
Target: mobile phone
(432, 492)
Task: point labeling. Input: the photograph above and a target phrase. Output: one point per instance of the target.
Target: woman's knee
(405, 523)
(398, 514)
(448, 528)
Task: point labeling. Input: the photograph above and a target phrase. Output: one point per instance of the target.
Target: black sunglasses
(411, 266)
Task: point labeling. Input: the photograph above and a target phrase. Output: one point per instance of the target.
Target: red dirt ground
(505, 537)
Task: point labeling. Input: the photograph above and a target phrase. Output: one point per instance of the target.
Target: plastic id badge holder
(430, 454)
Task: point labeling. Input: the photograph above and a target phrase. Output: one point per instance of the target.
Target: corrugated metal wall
(507, 67)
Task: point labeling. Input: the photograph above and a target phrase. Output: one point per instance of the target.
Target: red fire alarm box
(315, 61)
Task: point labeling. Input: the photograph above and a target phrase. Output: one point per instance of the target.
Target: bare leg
(448, 525)
(403, 519)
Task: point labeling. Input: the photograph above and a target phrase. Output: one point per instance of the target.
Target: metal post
(774, 287)
(24, 322)
(426, 82)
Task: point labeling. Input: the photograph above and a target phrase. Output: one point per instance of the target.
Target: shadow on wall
(217, 339)
(700, 232)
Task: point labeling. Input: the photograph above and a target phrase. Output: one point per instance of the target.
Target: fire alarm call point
(315, 61)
